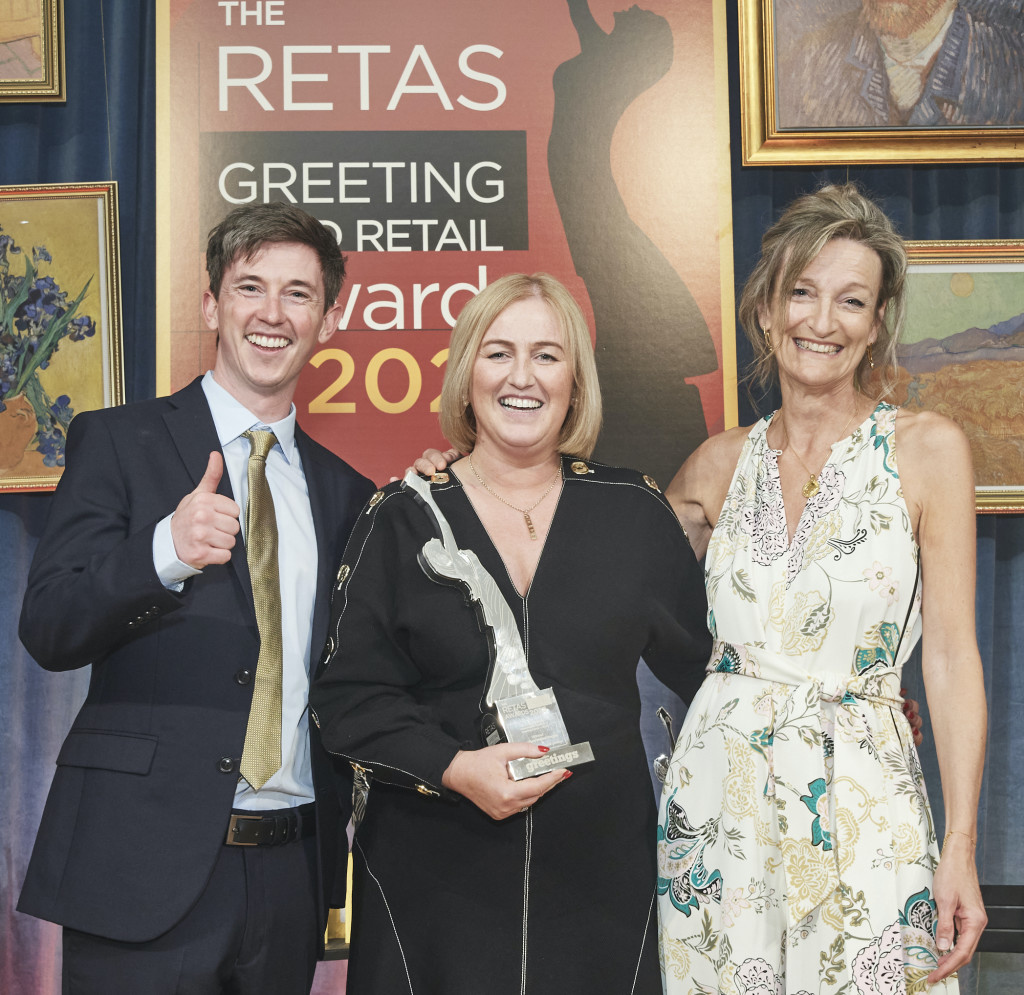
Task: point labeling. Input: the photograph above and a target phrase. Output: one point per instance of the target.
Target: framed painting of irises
(32, 50)
(60, 322)
(962, 354)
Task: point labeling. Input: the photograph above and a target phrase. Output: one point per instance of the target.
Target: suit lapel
(191, 428)
(320, 506)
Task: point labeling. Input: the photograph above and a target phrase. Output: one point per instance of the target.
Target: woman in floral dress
(796, 847)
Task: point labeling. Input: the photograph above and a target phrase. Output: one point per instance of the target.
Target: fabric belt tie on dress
(793, 746)
(271, 828)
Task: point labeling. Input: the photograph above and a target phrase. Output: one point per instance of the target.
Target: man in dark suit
(170, 871)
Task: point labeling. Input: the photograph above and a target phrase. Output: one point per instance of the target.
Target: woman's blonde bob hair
(807, 224)
(583, 422)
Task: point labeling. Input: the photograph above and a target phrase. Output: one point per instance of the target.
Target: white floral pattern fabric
(795, 842)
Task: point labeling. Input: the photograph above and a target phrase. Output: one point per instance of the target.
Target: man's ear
(209, 307)
(330, 323)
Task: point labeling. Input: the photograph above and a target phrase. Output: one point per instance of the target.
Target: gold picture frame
(32, 51)
(767, 141)
(962, 354)
(60, 322)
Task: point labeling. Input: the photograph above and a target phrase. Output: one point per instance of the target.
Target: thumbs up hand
(205, 523)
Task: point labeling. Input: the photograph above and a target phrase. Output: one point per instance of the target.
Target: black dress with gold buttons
(559, 899)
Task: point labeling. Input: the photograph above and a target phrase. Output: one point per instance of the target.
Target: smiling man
(190, 839)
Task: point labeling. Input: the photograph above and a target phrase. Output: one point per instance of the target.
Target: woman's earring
(871, 360)
(767, 338)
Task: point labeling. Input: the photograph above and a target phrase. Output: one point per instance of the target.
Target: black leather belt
(271, 828)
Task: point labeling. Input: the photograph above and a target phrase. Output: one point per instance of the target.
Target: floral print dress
(795, 842)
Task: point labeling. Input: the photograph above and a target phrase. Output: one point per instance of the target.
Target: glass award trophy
(513, 709)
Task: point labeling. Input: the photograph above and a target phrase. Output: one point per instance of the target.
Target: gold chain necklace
(525, 512)
(812, 486)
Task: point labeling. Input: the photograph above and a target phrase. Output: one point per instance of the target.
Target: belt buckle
(234, 828)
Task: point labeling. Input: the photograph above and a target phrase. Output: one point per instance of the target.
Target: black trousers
(253, 931)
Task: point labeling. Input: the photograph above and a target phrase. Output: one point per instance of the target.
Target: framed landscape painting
(60, 322)
(962, 354)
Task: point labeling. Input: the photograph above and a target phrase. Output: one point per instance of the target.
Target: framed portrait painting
(962, 354)
(32, 50)
(60, 322)
(880, 81)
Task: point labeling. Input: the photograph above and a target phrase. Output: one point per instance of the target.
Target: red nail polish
(544, 749)
(567, 775)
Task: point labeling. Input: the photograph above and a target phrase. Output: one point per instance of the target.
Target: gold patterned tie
(261, 755)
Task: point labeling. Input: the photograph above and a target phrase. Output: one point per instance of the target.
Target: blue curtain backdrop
(106, 131)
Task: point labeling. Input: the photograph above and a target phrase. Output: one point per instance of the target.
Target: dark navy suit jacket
(140, 800)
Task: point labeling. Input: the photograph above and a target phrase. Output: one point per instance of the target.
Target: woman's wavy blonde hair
(788, 247)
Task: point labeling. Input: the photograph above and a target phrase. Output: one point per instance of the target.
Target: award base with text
(534, 717)
(560, 756)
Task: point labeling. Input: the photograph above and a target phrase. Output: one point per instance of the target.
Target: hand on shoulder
(433, 461)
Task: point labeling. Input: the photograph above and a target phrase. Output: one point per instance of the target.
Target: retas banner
(446, 143)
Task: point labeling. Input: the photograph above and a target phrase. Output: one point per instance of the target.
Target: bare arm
(583, 21)
(698, 490)
(945, 526)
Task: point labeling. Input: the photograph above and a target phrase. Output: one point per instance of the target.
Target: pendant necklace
(812, 486)
(525, 512)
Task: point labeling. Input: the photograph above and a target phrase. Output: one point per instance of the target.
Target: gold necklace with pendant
(525, 512)
(812, 486)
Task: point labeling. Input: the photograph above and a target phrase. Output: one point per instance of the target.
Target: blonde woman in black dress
(466, 880)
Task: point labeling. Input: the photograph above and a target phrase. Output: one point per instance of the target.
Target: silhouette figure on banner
(650, 332)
